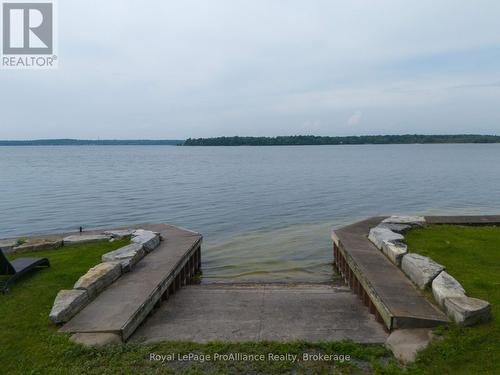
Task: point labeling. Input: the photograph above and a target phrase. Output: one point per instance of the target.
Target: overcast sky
(177, 69)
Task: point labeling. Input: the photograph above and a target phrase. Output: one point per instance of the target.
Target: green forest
(302, 140)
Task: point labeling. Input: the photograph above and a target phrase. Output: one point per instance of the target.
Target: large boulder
(118, 234)
(445, 286)
(99, 277)
(148, 239)
(85, 238)
(467, 310)
(394, 251)
(414, 221)
(378, 235)
(67, 304)
(128, 256)
(397, 228)
(421, 270)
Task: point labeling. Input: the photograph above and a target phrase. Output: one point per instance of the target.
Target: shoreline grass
(30, 344)
(472, 256)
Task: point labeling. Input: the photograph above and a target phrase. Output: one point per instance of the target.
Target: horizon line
(243, 136)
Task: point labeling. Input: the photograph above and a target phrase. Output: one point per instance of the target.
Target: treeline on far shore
(303, 140)
(294, 140)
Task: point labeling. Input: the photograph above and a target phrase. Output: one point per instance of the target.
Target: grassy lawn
(30, 344)
(472, 256)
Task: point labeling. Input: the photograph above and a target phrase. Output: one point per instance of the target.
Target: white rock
(445, 286)
(397, 228)
(128, 256)
(150, 240)
(467, 311)
(84, 238)
(394, 251)
(67, 304)
(378, 235)
(119, 233)
(421, 270)
(99, 277)
(409, 220)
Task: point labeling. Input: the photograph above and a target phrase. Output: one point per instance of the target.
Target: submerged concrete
(257, 312)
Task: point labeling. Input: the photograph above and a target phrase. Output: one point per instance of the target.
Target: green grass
(28, 340)
(472, 256)
(30, 344)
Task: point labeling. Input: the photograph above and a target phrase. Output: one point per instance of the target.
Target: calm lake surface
(265, 212)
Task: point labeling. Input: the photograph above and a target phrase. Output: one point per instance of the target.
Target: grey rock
(99, 277)
(467, 310)
(97, 339)
(445, 286)
(406, 343)
(421, 270)
(67, 304)
(148, 239)
(85, 238)
(414, 221)
(397, 228)
(394, 251)
(128, 256)
(38, 245)
(378, 235)
(119, 233)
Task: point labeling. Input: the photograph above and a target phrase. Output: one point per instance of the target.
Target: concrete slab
(257, 312)
(85, 238)
(38, 245)
(7, 245)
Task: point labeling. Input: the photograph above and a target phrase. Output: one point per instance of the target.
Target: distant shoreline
(299, 140)
(87, 142)
(311, 140)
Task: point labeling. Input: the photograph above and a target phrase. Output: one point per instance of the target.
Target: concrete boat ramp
(157, 301)
(259, 312)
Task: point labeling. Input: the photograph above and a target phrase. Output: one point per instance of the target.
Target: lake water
(265, 212)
